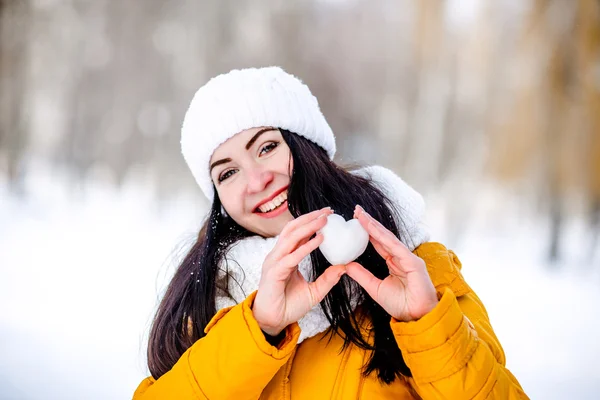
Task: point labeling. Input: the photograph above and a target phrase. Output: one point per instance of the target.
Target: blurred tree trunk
(594, 228)
(427, 101)
(560, 80)
(14, 39)
(588, 51)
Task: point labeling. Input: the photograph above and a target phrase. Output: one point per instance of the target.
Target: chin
(276, 228)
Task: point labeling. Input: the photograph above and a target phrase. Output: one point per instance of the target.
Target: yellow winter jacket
(452, 352)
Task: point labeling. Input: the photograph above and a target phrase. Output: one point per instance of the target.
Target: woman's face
(251, 172)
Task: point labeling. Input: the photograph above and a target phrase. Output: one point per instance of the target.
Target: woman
(255, 310)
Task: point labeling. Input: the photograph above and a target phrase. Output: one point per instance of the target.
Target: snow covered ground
(79, 277)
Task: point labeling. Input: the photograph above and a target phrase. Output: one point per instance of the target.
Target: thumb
(323, 284)
(364, 278)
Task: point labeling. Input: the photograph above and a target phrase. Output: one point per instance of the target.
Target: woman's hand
(407, 293)
(284, 296)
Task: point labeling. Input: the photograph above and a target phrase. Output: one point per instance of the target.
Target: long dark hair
(316, 182)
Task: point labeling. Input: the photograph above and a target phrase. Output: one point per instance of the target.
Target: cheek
(231, 200)
(285, 163)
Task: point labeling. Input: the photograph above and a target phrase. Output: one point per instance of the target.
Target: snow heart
(343, 241)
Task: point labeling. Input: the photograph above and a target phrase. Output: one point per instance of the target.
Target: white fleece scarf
(244, 259)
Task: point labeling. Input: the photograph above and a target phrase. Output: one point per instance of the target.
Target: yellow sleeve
(453, 352)
(233, 361)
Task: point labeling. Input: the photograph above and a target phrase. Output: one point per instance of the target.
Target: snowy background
(490, 109)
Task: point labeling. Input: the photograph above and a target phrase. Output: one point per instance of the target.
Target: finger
(392, 244)
(385, 254)
(375, 235)
(292, 260)
(365, 279)
(379, 248)
(364, 221)
(296, 232)
(302, 233)
(397, 260)
(304, 219)
(384, 236)
(323, 284)
(298, 237)
(364, 218)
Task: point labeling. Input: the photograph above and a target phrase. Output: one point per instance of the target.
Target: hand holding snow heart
(407, 293)
(284, 296)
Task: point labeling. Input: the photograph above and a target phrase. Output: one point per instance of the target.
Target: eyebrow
(248, 145)
(219, 162)
(257, 135)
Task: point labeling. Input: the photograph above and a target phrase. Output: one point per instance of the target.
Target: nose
(258, 179)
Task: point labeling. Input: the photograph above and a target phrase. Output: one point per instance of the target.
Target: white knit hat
(243, 99)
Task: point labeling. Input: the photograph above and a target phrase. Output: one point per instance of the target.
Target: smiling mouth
(271, 205)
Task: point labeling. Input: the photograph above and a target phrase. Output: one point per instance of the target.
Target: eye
(269, 147)
(225, 175)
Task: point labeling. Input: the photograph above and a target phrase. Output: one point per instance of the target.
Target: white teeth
(276, 202)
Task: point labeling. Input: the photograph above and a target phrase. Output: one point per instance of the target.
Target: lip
(276, 212)
(275, 194)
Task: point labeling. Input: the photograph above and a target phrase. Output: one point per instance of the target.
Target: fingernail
(360, 209)
(321, 216)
